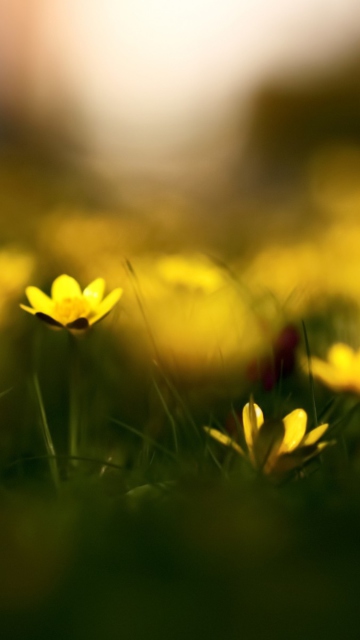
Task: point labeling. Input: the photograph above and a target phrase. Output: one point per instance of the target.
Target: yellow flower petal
(337, 379)
(322, 445)
(325, 371)
(252, 422)
(224, 439)
(65, 287)
(106, 305)
(69, 307)
(295, 428)
(313, 436)
(341, 356)
(39, 300)
(28, 309)
(341, 372)
(94, 293)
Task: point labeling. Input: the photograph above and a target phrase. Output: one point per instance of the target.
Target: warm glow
(145, 76)
(341, 371)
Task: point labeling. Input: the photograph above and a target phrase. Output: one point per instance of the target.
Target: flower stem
(74, 381)
(47, 435)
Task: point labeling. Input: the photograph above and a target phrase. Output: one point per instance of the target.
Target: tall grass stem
(47, 434)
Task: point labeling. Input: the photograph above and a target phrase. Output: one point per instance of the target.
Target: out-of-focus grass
(201, 559)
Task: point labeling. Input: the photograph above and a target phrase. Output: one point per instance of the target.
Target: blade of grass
(180, 400)
(138, 295)
(345, 417)
(278, 388)
(74, 388)
(4, 393)
(217, 424)
(215, 460)
(238, 424)
(103, 463)
(328, 409)
(145, 437)
(311, 377)
(208, 449)
(168, 413)
(46, 434)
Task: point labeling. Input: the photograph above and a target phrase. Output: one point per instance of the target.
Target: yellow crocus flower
(69, 307)
(341, 371)
(275, 447)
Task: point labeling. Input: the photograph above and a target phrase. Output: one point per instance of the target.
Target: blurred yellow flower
(16, 267)
(203, 326)
(69, 307)
(191, 272)
(341, 372)
(276, 447)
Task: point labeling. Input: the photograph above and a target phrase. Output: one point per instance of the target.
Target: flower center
(70, 309)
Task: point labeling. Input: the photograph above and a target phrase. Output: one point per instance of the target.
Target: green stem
(311, 377)
(74, 380)
(47, 435)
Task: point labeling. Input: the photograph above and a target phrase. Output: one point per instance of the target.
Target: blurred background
(170, 92)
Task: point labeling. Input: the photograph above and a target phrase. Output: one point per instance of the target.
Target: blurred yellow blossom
(303, 274)
(294, 273)
(68, 306)
(16, 267)
(202, 326)
(275, 447)
(192, 272)
(341, 371)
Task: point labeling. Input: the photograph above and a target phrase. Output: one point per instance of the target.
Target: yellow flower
(275, 447)
(190, 273)
(341, 372)
(69, 307)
